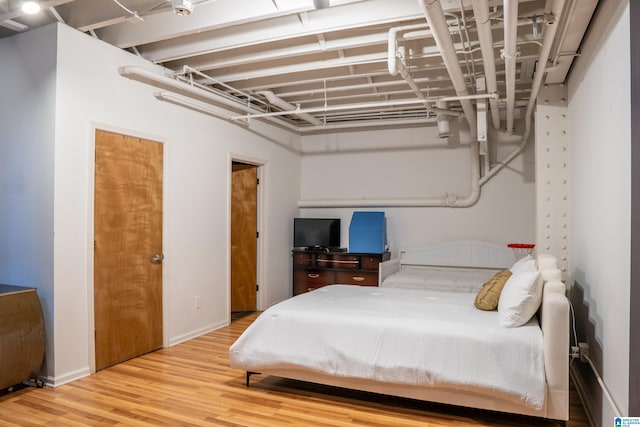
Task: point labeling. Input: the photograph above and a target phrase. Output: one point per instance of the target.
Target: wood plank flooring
(191, 384)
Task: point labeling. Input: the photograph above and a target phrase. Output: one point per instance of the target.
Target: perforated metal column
(552, 174)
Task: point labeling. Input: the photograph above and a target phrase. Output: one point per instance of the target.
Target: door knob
(157, 258)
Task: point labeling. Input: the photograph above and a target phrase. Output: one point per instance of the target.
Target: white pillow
(521, 263)
(520, 298)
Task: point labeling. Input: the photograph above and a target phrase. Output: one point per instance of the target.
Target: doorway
(244, 238)
(127, 247)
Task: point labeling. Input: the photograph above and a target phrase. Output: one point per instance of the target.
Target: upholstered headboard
(460, 253)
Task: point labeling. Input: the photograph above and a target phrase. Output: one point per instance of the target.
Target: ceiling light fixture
(182, 7)
(30, 7)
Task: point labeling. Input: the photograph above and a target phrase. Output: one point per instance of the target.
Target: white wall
(599, 114)
(27, 104)
(198, 149)
(414, 163)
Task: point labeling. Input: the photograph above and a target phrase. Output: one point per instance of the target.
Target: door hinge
(257, 234)
(257, 181)
(257, 288)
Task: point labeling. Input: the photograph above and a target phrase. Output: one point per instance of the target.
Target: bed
(422, 339)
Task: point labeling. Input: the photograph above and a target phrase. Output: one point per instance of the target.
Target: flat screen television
(316, 233)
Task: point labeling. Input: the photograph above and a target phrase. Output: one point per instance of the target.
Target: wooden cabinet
(21, 335)
(315, 269)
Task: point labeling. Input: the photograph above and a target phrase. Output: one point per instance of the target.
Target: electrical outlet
(197, 303)
(575, 352)
(584, 351)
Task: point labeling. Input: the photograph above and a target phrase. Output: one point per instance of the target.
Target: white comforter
(439, 279)
(407, 336)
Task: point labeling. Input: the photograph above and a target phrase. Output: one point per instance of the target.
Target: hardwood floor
(191, 384)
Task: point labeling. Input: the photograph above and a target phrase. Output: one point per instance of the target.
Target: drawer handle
(313, 276)
(358, 278)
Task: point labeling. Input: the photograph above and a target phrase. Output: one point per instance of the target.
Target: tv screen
(316, 232)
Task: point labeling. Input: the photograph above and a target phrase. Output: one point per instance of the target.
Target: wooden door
(128, 236)
(244, 190)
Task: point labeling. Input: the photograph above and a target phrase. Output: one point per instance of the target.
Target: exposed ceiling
(343, 63)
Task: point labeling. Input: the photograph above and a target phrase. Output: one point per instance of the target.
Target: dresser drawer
(314, 277)
(357, 278)
(338, 261)
(301, 288)
(303, 258)
(370, 262)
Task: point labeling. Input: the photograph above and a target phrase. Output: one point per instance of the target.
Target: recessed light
(30, 7)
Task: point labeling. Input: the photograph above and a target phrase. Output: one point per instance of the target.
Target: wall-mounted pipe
(438, 23)
(510, 53)
(273, 99)
(485, 37)
(449, 200)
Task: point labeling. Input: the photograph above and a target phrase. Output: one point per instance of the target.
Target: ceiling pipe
(483, 24)
(273, 99)
(472, 198)
(438, 23)
(449, 200)
(551, 28)
(396, 57)
(329, 108)
(162, 81)
(510, 53)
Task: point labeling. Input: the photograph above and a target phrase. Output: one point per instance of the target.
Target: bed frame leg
(248, 377)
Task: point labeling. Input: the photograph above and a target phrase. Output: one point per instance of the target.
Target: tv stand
(313, 269)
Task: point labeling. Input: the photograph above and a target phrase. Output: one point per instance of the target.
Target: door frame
(95, 126)
(261, 167)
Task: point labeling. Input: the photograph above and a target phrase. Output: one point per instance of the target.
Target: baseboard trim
(576, 377)
(57, 381)
(193, 334)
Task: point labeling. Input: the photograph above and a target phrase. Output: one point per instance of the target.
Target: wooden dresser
(21, 335)
(315, 269)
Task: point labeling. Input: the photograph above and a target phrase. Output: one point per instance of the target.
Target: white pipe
(395, 61)
(392, 42)
(485, 37)
(364, 124)
(451, 201)
(328, 108)
(603, 386)
(543, 58)
(510, 54)
(172, 84)
(438, 23)
(279, 102)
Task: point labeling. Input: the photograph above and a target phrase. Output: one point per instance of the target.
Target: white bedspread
(406, 336)
(439, 279)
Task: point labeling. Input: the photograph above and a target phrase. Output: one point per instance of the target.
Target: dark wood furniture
(315, 269)
(21, 335)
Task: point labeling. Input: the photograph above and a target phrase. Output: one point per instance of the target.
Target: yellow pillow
(488, 297)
